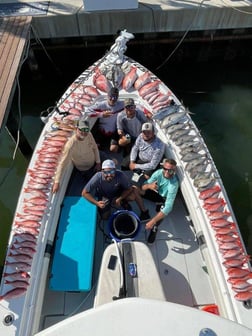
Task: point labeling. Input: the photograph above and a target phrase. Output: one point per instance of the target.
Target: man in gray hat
(129, 123)
(82, 151)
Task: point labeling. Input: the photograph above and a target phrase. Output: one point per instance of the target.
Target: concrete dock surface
(69, 18)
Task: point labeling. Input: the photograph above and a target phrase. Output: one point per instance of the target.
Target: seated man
(82, 151)
(161, 187)
(147, 152)
(107, 112)
(111, 187)
(129, 124)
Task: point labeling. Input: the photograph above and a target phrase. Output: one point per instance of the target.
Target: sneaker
(159, 206)
(125, 205)
(144, 215)
(152, 235)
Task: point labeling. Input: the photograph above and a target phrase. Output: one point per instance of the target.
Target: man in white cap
(112, 187)
(147, 152)
(80, 150)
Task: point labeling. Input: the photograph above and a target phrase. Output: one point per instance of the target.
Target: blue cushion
(74, 250)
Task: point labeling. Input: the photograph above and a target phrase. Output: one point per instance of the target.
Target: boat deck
(177, 257)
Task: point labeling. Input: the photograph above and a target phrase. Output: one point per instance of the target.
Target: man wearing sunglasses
(106, 111)
(111, 188)
(161, 188)
(82, 152)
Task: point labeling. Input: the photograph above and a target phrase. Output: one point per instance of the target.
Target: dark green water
(217, 92)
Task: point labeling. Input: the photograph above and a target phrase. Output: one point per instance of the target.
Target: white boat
(73, 276)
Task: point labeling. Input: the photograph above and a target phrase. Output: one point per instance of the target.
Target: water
(217, 92)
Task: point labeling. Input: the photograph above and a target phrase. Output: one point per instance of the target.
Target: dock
(13, 37)
(69, 18)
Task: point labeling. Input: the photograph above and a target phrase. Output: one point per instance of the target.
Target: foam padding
(72, 265)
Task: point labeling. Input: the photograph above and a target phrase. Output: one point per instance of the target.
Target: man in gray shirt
(111, 187)
(129, 122)
(147, 152)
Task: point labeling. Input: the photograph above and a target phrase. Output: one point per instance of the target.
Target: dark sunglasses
(113, 97)
(85, 129)
(111, 171)
(170, 171)
(130, 107)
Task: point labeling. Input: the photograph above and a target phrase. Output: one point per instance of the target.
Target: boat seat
(145, 284)
(72, 265)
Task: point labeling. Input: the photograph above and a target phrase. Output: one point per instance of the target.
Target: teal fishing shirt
(167, 188)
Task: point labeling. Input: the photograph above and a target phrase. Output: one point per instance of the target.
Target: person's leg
(153, 233)
(135, 196)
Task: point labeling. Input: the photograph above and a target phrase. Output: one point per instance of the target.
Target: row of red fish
(235, 258)
(27, 222)
(82, 96)
(147, 86)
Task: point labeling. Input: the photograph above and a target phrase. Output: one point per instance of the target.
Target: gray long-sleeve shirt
(150, 153)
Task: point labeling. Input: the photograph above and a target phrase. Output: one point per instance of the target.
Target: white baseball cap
(108, 164)
(147, 127)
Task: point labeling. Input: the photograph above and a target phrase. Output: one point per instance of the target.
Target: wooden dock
(14, 33)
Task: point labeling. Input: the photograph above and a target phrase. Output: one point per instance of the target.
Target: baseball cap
(129, 102)
(147, 127)
(82, 123)
(108, 164)
(113, 92)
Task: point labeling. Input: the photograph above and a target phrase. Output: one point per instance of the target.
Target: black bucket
(124, 224)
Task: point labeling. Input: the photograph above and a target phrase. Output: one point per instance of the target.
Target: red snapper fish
(244, 296)
(19, 265)
(91, 91)
(142, 80)
(85, 102)
(76, 111)
(226, 238)
(214, 207)
(102, 83)
(148, 88)
(240, 290)
(230, 263)
(17, 275)
(213, 200)
(233, 253)
(36, 200)
(130, 78)
(230, 245)
(17, 283)
(150, 97)
(221, 223)
(25, 244)
(25, 236)
(241, 283)
(218, 214)
(236, 272)
(14, 293)
(29, 223)
(21, 257)
(27, 229)
(231, 229)
(209, 192)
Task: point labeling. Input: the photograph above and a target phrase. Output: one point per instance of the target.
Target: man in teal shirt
(162, 188)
